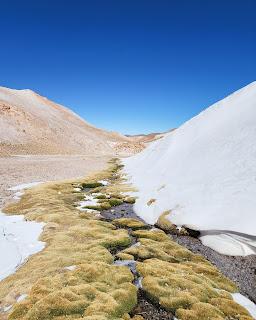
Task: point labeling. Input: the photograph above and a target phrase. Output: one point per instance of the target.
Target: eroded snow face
(204, 173)
(235, 244)
(18, 240)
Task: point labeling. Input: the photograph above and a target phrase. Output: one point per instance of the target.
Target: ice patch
(246, 303)
(19, 188)
(24, 186)
(89, 201)
(77, 189)
(103, 182)
(138, 282)
(18, 240)
(7, 308)
(22, 297)
(18, 195)
(70, 268)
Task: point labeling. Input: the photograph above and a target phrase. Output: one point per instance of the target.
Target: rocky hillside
(148, 138)
(32, 124)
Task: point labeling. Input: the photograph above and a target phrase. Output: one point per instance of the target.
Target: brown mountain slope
(148, 138)
(32, 124)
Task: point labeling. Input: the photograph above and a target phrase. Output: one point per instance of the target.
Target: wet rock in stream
(124, 210)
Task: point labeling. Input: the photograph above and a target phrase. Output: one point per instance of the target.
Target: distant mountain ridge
(32, 124)
(147, 138)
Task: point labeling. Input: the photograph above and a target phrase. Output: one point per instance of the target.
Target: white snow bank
(18, 240)
(204, 172)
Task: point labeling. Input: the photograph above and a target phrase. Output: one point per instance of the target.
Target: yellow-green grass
(182, 282)
(130, 200)
(164, 224)
(96, 289)
(129, 223)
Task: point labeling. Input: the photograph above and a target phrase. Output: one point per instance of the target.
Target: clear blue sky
(131, 66)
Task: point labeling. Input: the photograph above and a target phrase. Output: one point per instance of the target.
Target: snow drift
(18, 237)
(205, 174)
(18, 240)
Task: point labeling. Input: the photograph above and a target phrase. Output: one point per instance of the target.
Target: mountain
(148, 138)
(32, 124)
(205, 173)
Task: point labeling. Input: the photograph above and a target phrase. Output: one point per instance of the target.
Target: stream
(241, 270)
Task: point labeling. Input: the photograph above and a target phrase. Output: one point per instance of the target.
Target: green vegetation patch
(115, 202)
(101, 196)
(92, 290)
(96, 289)
(165, 224)
(91, 185)
(130, 200)
(180, 281)
(100, 206)
(124, 256)
(183, 282)
(129, 223)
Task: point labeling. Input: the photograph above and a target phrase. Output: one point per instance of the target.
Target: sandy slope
(204, 172)
(31, 124)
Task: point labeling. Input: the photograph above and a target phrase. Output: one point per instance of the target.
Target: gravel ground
(149, 311)
(24, 169)
(241, 270)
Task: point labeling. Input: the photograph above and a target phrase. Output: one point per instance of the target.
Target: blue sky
(130, 66)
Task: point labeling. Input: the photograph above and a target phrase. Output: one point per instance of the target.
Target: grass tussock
(96, 289)
(89, 291)
(151, 201)
(115, 202)
(130, 200)
(182, 282)
(129, 223)
(165, 224)
(91, 185)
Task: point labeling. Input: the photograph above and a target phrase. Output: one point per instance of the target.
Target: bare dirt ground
(16, 170)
